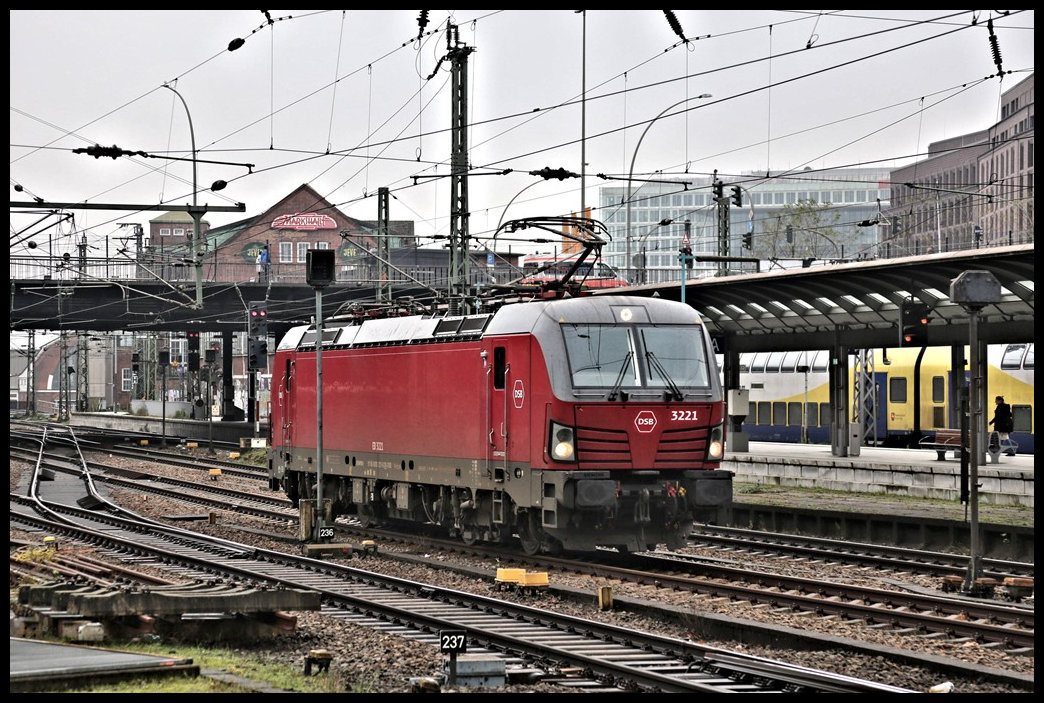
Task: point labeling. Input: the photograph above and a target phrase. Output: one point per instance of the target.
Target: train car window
(779, 413)
(811, 415)
(1022, 415)
(794, 414)
(499, 367)
(1012, 358)
(774, 359)
(1028, 361)
(757, 363)
(824, 414)
(897, 390)
(938, 389)
(764, 412)
(791, 360)
(819, 362)
(939, 416)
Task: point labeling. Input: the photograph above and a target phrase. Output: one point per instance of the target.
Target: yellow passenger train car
(790, 400)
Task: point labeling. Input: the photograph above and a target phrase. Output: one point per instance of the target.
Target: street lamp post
(630, 176)
(195, 211)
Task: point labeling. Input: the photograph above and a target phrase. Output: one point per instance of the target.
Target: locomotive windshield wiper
(674, 391)
(628, 360)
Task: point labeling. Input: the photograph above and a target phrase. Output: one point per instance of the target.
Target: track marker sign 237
(453, 641)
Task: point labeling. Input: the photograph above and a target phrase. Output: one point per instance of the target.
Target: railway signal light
(257, 353)
(719, 189)
(748, 240)
(257, 320)
(790, 234)
(737, 196)
(686, 255)
(193, 351)
(913, 324)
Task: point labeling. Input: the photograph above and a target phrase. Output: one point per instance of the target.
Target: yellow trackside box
(536, 579)
(511, 576)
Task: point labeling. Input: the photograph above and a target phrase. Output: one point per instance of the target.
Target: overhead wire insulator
(994, 46)
(675, 24)
(422, 22)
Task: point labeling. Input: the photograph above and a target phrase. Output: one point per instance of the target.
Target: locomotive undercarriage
(574, 510)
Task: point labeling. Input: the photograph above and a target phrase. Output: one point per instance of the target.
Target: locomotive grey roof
(523, 317)
(519, 318)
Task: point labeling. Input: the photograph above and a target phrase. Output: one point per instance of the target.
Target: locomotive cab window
(499, 367)
(651, 356)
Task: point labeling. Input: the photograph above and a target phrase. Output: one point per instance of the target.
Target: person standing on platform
(264, 262)
(1003, 424)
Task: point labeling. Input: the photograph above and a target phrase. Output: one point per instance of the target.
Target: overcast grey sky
(350, 101)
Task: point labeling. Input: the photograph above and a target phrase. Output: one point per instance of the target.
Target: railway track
(920, 613)
(614, 658)
(660, 575)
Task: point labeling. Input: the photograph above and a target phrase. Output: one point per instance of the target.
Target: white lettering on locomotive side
(684, 416)
(377, 446)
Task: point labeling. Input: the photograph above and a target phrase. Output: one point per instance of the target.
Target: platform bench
(944, 441)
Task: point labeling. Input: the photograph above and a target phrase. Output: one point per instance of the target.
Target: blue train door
(881, 418)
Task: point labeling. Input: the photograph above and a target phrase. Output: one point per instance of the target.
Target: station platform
(916, 473)
(38, 666)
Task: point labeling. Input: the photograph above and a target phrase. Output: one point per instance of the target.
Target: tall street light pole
(630, 175)
(195, 211)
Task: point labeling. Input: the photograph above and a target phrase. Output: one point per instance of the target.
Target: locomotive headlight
(563, 443)
(716, 445)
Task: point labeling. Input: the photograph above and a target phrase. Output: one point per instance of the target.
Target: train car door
(881, 416)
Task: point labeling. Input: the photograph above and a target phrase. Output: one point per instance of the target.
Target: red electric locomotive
(569, 423)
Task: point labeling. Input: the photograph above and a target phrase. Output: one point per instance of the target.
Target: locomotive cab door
(508, 428)
(287, 401)
(497, 428)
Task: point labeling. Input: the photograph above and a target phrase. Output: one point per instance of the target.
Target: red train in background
(566, 423)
